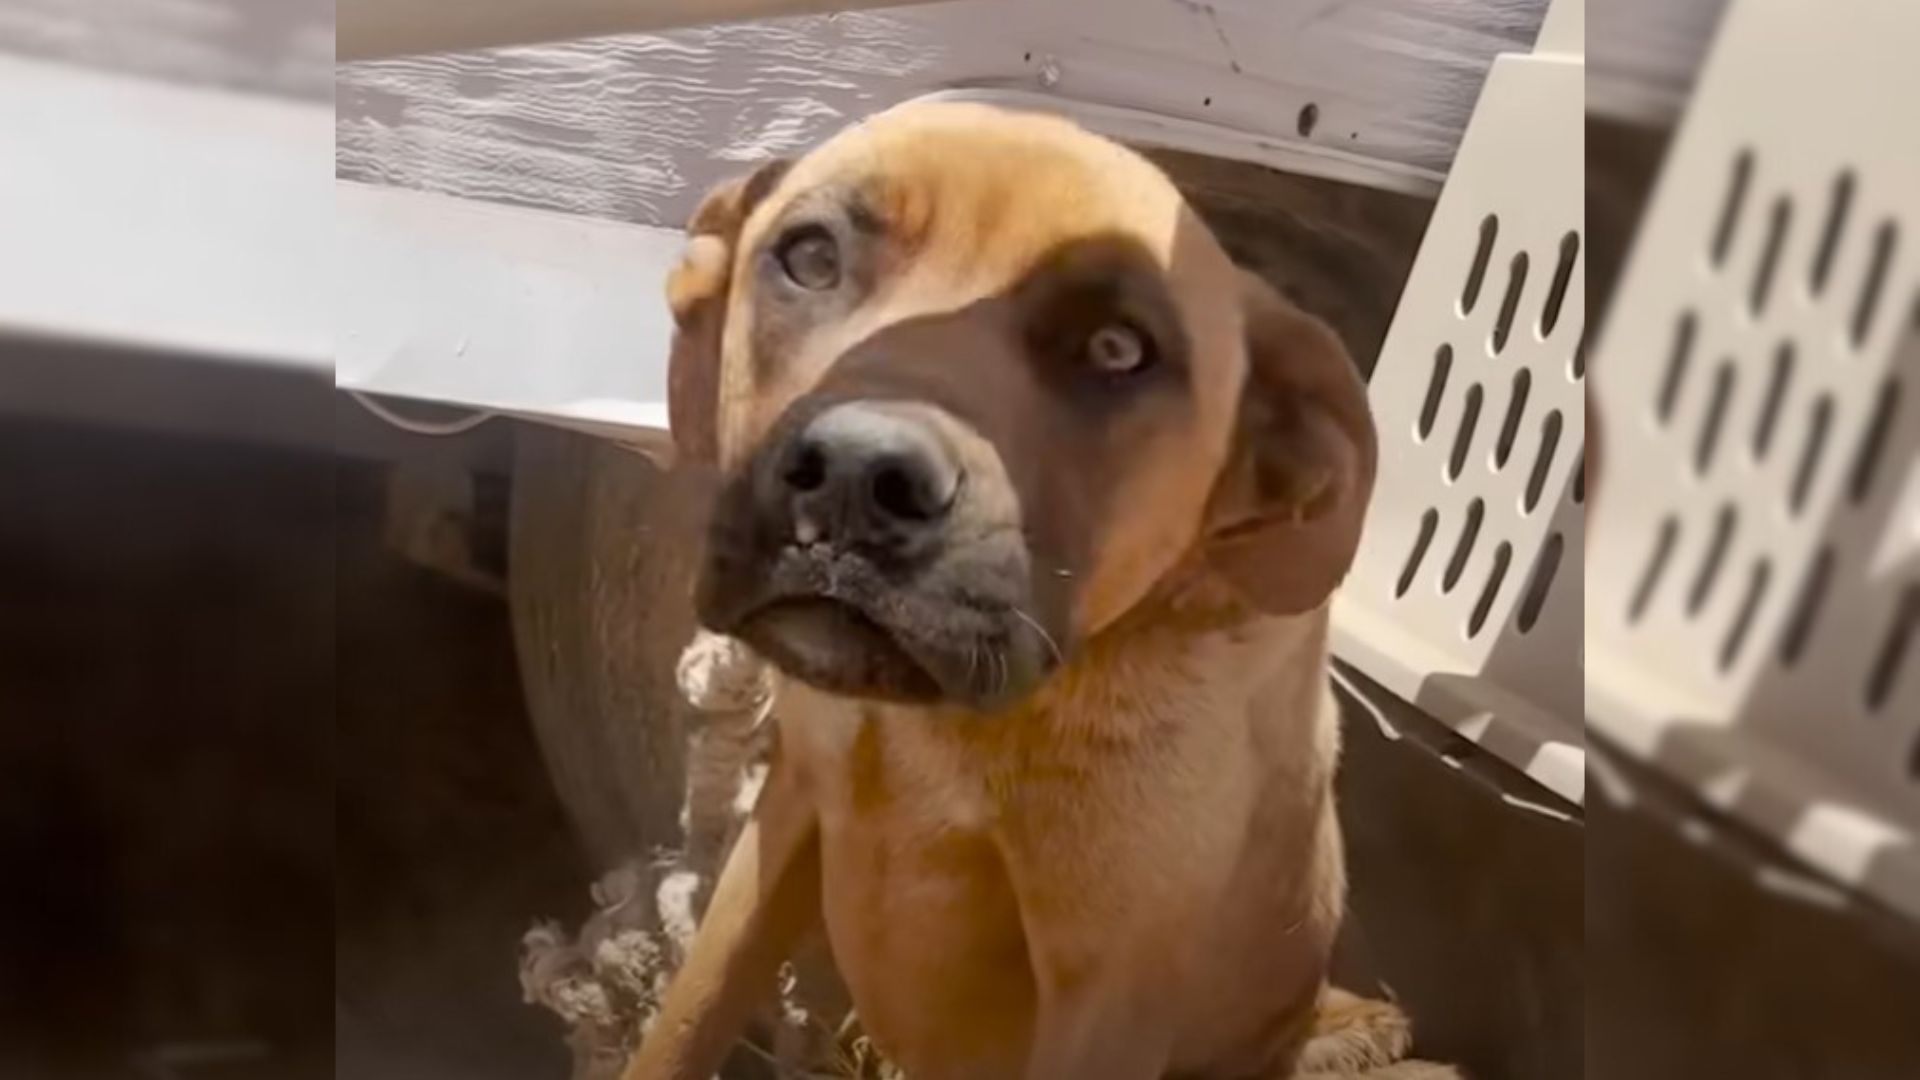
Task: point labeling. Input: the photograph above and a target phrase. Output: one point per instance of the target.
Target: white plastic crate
(1754, 584)
(1465, 598)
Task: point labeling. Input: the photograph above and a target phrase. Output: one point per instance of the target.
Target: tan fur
(1025, 183)
(1136, 872)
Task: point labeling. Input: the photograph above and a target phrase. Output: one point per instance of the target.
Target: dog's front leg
(1098, 1030)
(767, 898)
(1103, 956)
(1100, 973)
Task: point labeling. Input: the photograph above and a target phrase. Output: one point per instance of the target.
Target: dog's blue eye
(810, 259)
(1117, 349)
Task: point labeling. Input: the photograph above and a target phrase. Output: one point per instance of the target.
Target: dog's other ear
(1284, 518)
(697, 295)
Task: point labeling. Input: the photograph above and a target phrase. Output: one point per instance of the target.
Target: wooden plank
(371, 29)
(283, 48)
(1643, 56)
(635, 128)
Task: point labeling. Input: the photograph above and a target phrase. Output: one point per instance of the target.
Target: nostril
(899, 495)
(807, 471)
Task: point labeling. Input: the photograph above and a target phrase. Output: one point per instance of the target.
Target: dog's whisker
(1058, 657)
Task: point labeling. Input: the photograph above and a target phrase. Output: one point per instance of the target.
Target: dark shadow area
(1623, 162)
(166, 816)
(1340, 251)
(270, 795)
(1464, 907)
(1699, 971)
(451, 841)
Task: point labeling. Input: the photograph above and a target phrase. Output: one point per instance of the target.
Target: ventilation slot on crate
(1482, 256)
(1838, 206)
(1757, 581)
(1543, 463)
(1776, 395)
(1429, 522)
(1562, 277)
(1866, 461)
(1436, 390)
(1893, 649)
(1777, 223)
(1684, 330)
(1806, 608)
(1709, 437)
(1502, 557)
(1463, 547)
(1710, 562)
(1516, 408)
(1540, 583)
(1510, 306)
(1463, 436)
(1730, 206)
(1656, 568)
(1884, 239)
(1819, 419)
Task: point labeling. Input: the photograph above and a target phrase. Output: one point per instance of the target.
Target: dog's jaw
(951, 634)
(835, 648)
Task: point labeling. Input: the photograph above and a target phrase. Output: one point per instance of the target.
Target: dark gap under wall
(209, 872)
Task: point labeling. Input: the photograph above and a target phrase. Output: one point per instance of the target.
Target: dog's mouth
(837, 647)
(839, 624)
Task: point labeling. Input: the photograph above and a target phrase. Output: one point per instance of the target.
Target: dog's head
(977, 383)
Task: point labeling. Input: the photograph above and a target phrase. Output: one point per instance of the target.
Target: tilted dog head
(977, 383)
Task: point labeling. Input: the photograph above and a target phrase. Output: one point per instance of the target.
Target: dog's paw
(1352, 1035)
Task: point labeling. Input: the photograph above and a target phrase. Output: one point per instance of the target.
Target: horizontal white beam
(539, 314)
(156, 217)
(373, 29)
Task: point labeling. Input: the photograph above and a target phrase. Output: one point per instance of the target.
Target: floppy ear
(1284, 518)
(697, 296)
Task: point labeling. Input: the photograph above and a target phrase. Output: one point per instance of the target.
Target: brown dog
(1037, 501)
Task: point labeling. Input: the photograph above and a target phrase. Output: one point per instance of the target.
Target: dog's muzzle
(849, 554)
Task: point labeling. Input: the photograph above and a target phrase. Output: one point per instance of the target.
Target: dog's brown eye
(1117, 348)
(811, 259)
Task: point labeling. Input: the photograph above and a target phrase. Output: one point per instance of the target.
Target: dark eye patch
(1091, 287)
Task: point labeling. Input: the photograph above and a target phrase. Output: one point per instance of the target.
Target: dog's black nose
(863, 472)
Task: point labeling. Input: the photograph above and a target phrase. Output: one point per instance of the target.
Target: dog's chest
(927, 824)
(920, 910)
